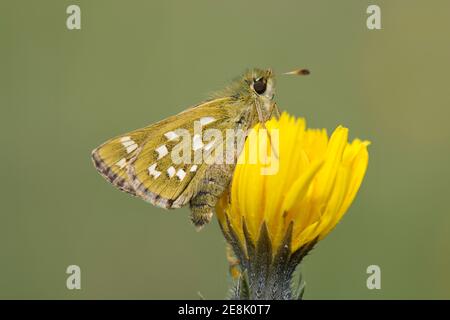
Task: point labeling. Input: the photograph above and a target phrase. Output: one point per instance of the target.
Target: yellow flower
(317, 179)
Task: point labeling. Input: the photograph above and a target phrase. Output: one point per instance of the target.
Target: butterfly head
(261, 84)
(253, 85)
(259, 90)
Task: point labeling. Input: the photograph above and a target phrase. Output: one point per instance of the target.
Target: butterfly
(141, 162)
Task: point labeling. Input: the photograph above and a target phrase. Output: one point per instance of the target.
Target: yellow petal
(300, 187)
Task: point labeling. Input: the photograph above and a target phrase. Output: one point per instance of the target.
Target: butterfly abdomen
(211, 187)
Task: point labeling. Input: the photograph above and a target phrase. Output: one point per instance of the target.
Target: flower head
(284, 214)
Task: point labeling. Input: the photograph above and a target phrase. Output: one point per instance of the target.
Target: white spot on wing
(197, 142)
(162, 151)
(129, 144)
(121, 163)
(193, 168)
(181, 174)
(171, 171)
(171, 135)
(153, 172)
(132, 148)
(206, 120)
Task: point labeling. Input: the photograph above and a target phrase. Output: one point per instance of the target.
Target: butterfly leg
(275, 111)
(212, 186)
(233, 262)
(262, 121)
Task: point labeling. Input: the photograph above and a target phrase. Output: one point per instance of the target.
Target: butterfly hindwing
(112, 158)
(140, 163)
(153, 173)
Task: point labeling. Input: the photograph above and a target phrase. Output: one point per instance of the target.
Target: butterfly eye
(259, 85)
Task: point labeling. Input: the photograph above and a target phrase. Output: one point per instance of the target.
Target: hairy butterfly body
(141, 162)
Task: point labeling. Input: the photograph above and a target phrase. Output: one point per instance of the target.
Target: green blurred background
(64, 92)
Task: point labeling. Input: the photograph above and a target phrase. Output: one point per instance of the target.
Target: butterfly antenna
(298, 72)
